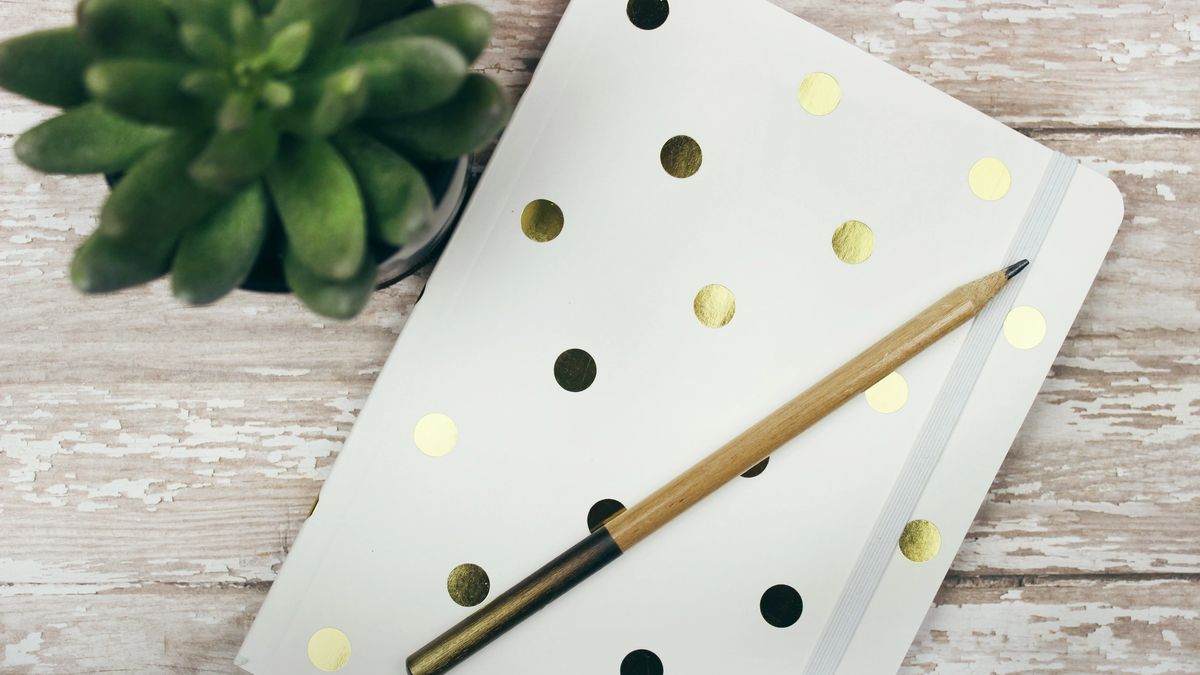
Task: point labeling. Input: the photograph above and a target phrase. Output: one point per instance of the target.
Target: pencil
(755, 444)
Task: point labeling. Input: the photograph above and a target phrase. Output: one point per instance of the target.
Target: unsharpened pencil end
(1015, 269)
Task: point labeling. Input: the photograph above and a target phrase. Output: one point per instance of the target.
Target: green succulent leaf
(467, 27)
(278, 95)
(105, 263)
(127, 28)
(213, 14)
(334, 299)
(205, 45)
(210, 84)
(87, 139)
(399, 204)
(46, 66)
(288, 48)
(406, 75)
(157, 197)
(249, 33)
(330, 20)
(319, 202)
(148, 91)
(234, 158)
(215, 256)
(327, 104)
(371, 13)
(463, 124)
(237, 112)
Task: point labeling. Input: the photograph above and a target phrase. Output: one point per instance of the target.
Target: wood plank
(1059, 63)
(159, 629)
(1067, 625)
(196, 439)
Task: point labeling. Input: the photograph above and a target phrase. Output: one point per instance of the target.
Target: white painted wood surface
(156, 461)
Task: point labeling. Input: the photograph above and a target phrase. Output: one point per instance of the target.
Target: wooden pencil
(727, 463)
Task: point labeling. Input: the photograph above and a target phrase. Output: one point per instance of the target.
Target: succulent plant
(255, 142)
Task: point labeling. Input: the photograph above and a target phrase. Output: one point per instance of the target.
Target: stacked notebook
(698, 210)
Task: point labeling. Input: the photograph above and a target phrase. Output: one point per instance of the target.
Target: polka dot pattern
(542, 220)
(853, 242)
(714, 306)
(436, 435)
(648, 14)
(602, 512)
(681, 157)
(468, 584)
(920, 541)
(641, 662)
(990, 179)
(889, 394)
(329, 650)
(781, 606)
(820, 94)
(757, 469)
(575, 370)
(1025, 327)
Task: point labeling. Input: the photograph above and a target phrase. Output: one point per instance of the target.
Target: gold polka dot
(990, 179)
(714, 305)
(1025, 327)
(329, 649)
(435, 435)
(853, 242)
(468, 584)
(681, 156)
(542, 220)
(820, 93)
(889, 394)
(647, 14)
(575, 370)
(920, 541)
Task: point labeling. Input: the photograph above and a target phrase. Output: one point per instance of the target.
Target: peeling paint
(23, 653)
(1039, 637)
(277, 372)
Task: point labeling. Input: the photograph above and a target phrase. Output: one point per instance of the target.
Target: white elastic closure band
(931, 441)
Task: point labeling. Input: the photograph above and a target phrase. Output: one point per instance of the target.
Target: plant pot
(450, 184)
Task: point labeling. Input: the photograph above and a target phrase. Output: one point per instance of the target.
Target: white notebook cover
(619, 282)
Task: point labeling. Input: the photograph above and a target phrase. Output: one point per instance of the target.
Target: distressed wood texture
(1029, 63)
(1055, 625)
(156, 461)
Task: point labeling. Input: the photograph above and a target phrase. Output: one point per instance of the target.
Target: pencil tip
(1015, 269)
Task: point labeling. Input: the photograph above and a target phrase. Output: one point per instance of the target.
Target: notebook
(698, 210)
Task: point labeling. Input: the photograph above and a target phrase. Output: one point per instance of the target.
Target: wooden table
(157, 461)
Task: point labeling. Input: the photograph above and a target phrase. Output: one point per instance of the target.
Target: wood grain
(156, 461)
